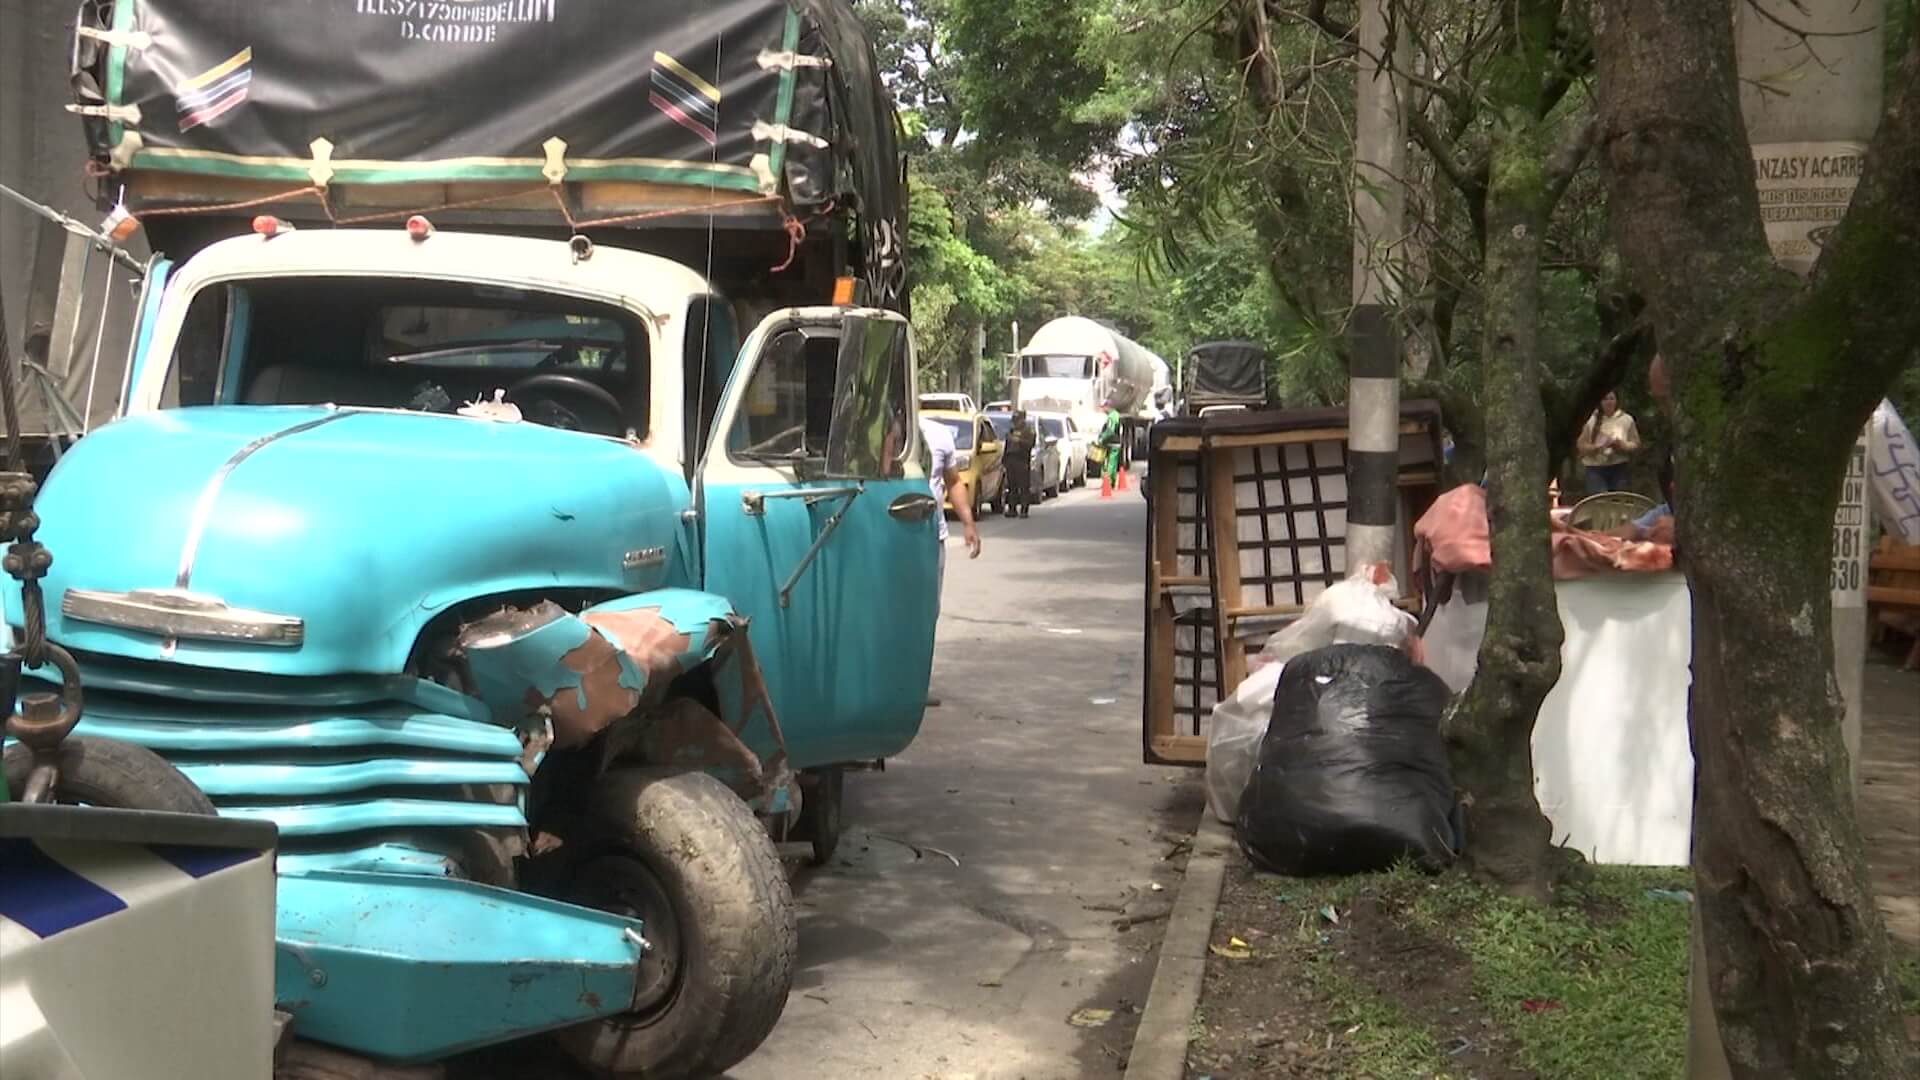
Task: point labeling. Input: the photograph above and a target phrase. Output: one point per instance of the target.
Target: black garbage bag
(1352, 774)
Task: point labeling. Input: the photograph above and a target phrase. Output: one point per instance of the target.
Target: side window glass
(194, 376)
(787, 409)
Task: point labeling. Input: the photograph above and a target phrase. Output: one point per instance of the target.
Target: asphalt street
(967, 929)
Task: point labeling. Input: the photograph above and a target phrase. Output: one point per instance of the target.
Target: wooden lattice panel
(1183, 663)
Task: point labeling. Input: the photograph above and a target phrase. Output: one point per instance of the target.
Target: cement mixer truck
(1075, 365)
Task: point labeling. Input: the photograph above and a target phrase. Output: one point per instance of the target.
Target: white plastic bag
(1233, 739)
(1357, 611)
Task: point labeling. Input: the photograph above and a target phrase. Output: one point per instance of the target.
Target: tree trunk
(1490, 732)
(1772, 381)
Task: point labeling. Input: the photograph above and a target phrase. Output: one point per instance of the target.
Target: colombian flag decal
(214, 92)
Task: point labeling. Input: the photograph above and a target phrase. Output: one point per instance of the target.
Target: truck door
(819, 526)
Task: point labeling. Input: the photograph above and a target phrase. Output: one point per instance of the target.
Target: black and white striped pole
(1379, 211)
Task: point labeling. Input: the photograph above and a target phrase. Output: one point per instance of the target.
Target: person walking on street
(947, 480)
(943, 477)
(1607, 444)
(1112, 475)
(1019, 458)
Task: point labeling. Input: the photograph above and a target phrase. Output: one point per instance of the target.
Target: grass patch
(1593, 988)
(1906, 972)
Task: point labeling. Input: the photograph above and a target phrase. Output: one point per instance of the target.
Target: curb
(1160, 1044)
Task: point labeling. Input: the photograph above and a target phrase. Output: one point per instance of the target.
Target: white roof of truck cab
(611, 274)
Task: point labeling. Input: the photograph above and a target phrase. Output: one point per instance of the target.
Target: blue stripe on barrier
(200, 861)
(44, 896)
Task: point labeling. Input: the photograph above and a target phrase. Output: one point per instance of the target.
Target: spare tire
(111, 774)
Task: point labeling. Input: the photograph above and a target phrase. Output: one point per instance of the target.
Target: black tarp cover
(759, 97)
(1226, 372)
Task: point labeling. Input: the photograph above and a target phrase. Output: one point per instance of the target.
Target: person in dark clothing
(1019, 460)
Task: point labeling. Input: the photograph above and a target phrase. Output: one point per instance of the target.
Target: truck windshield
(1056, 367)
(962, 431)
(461, 337)
(418, 344)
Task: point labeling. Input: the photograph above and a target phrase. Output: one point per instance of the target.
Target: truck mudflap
(134, 943)
(412, 968)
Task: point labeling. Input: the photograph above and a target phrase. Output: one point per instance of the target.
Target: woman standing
(1606, 445)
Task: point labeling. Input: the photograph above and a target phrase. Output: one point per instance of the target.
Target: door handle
(913, 507)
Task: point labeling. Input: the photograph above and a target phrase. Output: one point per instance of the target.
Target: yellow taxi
(979, 456)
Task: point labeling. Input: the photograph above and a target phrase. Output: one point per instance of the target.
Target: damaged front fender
(585, 672)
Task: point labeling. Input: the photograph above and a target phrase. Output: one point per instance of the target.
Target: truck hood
(363, 524)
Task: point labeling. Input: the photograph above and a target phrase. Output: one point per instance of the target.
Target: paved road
(1029, 775)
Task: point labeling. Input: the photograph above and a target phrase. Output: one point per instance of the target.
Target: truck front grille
(358, 771)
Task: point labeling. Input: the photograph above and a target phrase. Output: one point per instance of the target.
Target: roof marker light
(419, 227)
(269, 226)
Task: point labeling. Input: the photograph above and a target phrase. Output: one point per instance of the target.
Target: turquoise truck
(515, 497)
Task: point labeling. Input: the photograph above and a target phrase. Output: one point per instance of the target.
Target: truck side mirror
(869, 430)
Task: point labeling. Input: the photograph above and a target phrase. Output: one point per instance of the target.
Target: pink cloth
(1453, 531)
(1453, 535)
(1578, 553)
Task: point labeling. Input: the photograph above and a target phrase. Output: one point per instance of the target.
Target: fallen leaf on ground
(1537, 1005)
(1231, 952)
(1090, 1017)
(1330, 915)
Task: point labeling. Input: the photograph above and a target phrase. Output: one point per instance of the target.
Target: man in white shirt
(943, 477)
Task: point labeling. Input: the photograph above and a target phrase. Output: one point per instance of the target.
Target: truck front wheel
(692, 863)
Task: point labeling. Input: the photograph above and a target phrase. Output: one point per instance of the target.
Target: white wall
(1613, 763)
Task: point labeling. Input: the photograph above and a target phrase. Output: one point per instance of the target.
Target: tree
(1529, 165)
(1772, 379)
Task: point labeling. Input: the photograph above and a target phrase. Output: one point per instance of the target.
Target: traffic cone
(1106, 485)
(1121, 474)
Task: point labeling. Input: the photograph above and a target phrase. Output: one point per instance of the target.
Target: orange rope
(389, 215)
(796, 235)
(650, 215)
(795, 228)
(162, 211)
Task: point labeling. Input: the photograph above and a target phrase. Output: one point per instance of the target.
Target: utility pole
(1379, 212)
(1811, 81)
(979, 359)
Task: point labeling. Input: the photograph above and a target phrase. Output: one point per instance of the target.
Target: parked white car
(1049, 456)
(947, 403)
(1073, 444)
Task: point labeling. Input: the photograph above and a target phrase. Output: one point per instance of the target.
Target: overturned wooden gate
(1247, 523)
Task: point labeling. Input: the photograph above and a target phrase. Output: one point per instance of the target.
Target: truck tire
(697, 868)
(111, 774)
(820, 811)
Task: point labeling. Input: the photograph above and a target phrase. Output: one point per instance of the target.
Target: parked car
(980, 457)
(1074, 444)
(1049, 455)
(948, 403)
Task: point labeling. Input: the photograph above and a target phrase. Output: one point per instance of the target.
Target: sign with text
(1850, 533)
(1804, 191)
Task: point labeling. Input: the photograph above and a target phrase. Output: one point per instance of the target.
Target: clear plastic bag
(1233, 739)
